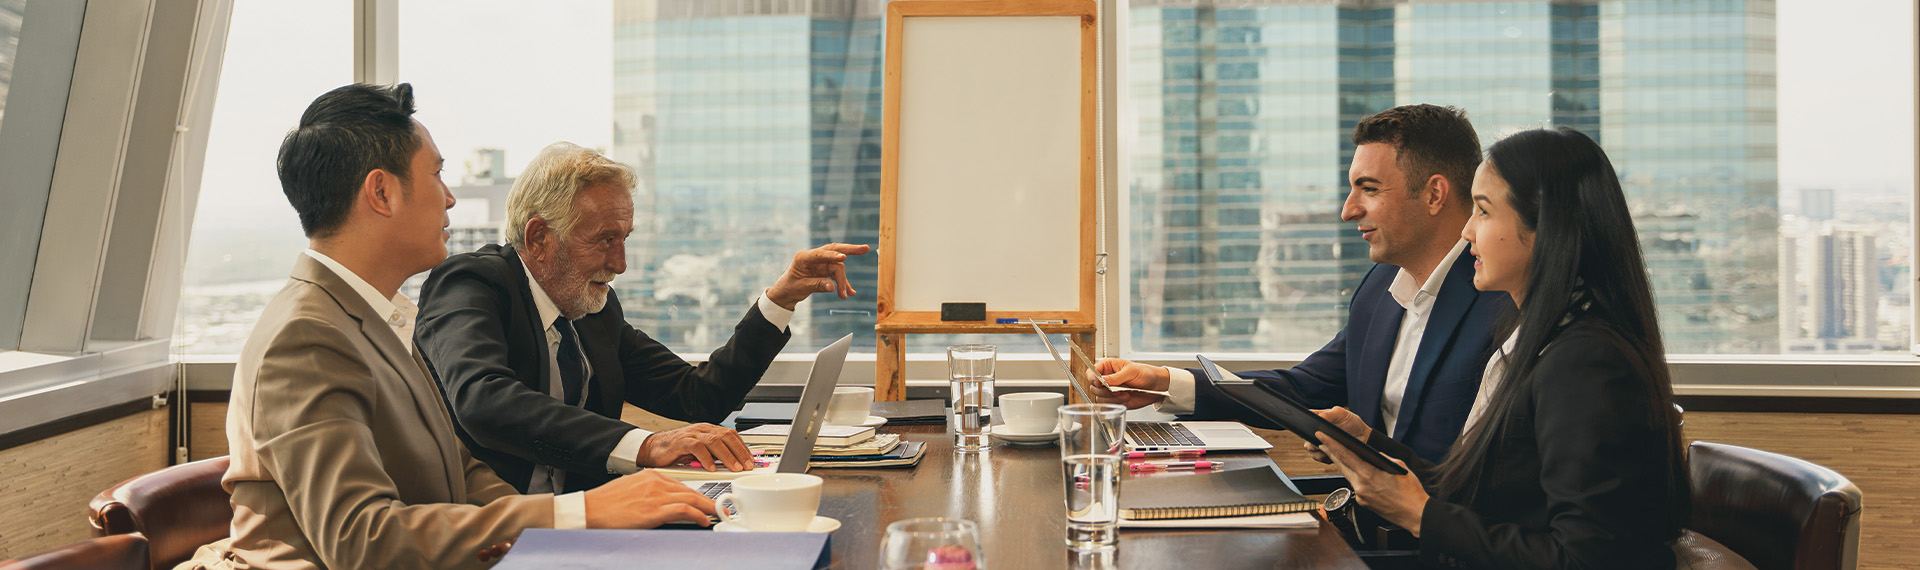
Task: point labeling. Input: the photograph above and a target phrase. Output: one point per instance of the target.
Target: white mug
(849, 406)
(1031, 412)
(775, 502)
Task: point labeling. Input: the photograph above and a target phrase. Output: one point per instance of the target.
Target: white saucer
(872, 421)
(1004, 433)
(820, 525)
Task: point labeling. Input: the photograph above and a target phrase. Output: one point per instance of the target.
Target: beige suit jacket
(344, 455)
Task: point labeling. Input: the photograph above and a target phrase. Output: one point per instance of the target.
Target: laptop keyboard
(1159, 434)
(715, 489)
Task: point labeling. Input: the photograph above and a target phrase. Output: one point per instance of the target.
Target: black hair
(1430, 140)
(343, 135)
(1586, 266)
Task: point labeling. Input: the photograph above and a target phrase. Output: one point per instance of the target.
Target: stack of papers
(879, 444)
(776, 435)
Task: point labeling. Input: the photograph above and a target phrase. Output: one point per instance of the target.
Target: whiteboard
(993, 177)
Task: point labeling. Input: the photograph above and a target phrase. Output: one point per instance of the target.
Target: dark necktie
(573, 369)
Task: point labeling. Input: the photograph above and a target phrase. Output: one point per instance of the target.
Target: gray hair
(556, 176)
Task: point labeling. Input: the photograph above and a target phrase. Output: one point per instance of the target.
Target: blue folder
(549, 549)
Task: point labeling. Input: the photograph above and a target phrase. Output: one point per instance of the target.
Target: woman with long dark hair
(1572, 456)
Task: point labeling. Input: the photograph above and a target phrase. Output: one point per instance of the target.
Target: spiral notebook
(1235, 493)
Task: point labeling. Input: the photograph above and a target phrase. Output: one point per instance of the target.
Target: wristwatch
(1340, 502)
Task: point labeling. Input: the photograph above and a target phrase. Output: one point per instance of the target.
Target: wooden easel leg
(1085, 342)
(889, 367)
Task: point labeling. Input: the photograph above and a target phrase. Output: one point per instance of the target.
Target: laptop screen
(812, 411)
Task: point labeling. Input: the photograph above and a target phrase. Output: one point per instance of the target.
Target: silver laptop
(1156, 436)
(807, 419)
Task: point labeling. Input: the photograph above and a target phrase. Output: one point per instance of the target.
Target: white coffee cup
(775, 502)
(849, 406)
(1031, 412)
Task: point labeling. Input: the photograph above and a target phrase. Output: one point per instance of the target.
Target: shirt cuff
(1180, 396)
(570, 510)
(774, 313)
(622, 461)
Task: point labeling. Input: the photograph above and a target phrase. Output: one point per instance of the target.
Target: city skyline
(828, 194)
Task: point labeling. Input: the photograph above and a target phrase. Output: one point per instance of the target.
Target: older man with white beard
(536, 357)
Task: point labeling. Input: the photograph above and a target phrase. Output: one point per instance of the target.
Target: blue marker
(1025, 321)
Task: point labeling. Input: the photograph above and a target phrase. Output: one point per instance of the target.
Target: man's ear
(380, 190)
(1437, 192)
(533, 238)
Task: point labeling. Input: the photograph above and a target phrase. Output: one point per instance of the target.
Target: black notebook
(1236, 493)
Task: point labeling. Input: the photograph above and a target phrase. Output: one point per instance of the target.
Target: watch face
(1337, 499)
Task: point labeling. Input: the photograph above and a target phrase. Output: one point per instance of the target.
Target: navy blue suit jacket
(1351, 370)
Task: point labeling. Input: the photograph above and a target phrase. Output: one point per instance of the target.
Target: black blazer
(482, 337)
(1351, 370)
(1581, 476)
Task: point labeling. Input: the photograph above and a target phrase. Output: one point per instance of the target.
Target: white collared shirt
(1489, 381)
(1417, 302)
(1413, 327)
(569, 510)
(399, 311)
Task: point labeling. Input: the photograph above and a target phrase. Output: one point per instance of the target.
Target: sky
(519, 75)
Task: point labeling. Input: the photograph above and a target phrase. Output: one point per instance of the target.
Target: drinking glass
(936, 543)
(970, 417)
(1092, 437)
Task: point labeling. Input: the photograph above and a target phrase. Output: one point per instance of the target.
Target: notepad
(589, 549)
(829, 435)
(1235, 493)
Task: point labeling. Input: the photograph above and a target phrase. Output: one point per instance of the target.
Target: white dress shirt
(569, 510)
(1496, 370)
(1417, 302)
(623, 459)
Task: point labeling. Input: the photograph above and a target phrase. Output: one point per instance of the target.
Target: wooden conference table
(1017, 497)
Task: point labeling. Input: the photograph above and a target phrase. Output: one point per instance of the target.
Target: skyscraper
(1244, 114)
(755, 130)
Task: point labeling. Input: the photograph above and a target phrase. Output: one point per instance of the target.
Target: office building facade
(1245, 108)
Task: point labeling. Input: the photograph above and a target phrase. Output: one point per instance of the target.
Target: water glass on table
(970, 417)
(1092, 437)
(935, 543)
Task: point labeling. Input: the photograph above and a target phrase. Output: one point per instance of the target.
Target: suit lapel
(1449, 311)
(536, 329)
(1371, 374)
(412, 370)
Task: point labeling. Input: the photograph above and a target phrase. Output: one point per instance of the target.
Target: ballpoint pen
(1176, 465)
(1166, 453)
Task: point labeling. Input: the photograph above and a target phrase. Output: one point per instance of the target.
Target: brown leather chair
(1778, 512)
(118, 552)
(177, 509)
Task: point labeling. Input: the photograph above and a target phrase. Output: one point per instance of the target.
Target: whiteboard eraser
(963, 311)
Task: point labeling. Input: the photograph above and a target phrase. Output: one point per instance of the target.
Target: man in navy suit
(1418, 334)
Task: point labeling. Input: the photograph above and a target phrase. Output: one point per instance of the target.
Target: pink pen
(1176, 465)
(1166, 453)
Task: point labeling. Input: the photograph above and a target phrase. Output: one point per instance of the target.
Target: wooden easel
(893, 325)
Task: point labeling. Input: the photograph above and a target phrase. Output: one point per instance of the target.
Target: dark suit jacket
(1579, 476)
(1351, 370)
(481, 333)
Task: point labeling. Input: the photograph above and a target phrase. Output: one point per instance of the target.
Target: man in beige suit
(344, 455)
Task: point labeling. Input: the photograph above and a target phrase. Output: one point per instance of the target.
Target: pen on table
(1025, 321)
(1166, 453)
(1176, 465)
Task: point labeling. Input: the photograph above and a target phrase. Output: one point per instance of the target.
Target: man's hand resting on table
(696, 442)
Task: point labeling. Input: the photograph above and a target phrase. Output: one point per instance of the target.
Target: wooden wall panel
(1877, 452)
(49, 482)
(206, 430)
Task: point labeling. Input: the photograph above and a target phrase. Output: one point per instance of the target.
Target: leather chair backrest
(1778, 512)
(118, 552)
(178, 509)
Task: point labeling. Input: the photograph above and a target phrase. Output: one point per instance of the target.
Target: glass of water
(934, 543)
(1092, 437)
(971, 416)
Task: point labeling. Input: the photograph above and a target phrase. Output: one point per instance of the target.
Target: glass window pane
(279, 57)
(1769, 165)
